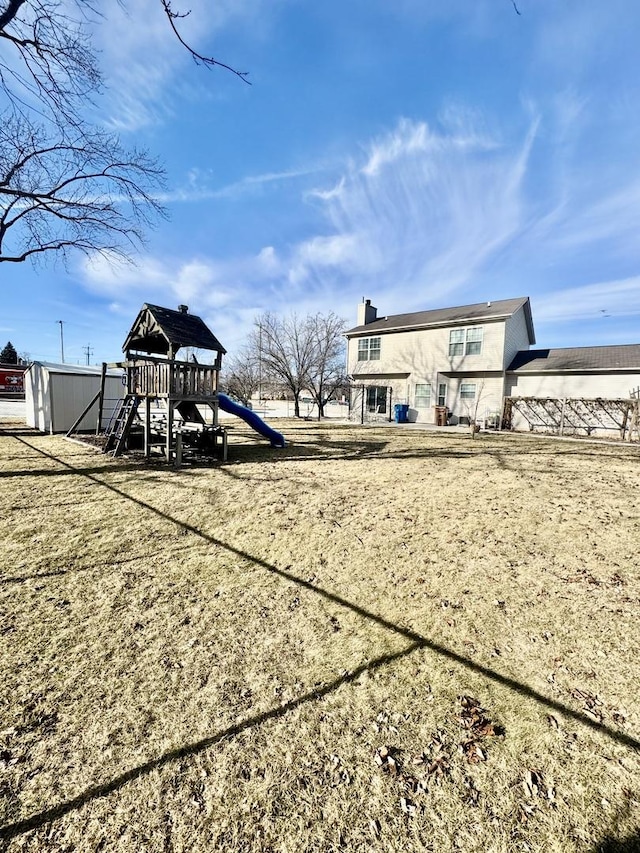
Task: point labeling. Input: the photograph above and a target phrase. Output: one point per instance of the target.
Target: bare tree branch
(87, 194)
(64, 183)
(208, 61)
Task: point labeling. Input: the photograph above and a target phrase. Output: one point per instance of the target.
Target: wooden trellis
(571, 415)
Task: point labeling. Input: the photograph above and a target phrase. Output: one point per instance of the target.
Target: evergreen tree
(9, 354)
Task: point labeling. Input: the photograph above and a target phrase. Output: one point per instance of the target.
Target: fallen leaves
(436, 762)
(384, 758)
(591, 705)
(478, 726)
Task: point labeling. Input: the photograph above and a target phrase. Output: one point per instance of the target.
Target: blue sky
(419, 153)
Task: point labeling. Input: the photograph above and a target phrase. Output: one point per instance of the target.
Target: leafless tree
(241, 376)
(83, 193)
(64, 183)
(327, 369)
(285, 349)
(300, 353)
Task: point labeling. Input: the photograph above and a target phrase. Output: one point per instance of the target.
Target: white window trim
(465, 397)
(365, 349)
(427, 396)
(467, 336)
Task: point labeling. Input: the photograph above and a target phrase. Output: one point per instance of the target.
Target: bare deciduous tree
(301, 353)
(84, 193)
(285, 351)
(65, 183)
(327, 368)
(241, 376)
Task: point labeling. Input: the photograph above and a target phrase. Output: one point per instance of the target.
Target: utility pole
(88, 352)
(61, 341)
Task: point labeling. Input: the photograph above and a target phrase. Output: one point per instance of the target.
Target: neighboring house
(453, 357)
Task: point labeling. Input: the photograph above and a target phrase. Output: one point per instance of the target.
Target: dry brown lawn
(373, 640)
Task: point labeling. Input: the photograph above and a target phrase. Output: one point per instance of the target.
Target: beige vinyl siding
(516, 336)
(559, 386)
(425, 352)
(488, 396)
(591, 385)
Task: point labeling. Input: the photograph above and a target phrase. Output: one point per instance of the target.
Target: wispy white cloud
(144, 62)
(424, 210)
(412, 220)
(199, 185)
(591, 301)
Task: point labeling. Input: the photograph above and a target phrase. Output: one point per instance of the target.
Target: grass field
(373, 640)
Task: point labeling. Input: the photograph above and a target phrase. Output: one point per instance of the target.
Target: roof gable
(476, 313)
(165, 331)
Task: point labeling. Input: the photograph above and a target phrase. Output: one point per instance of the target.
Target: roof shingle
(480, 311)
(156, 329)
(621, 357)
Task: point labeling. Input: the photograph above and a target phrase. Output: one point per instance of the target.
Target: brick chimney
(183, 309)
(366, 313)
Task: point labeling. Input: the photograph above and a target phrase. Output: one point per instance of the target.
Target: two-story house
(451, 357)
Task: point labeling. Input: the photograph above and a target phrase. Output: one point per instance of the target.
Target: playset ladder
(118, 429)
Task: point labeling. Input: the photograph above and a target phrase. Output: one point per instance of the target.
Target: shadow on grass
(631, 844)
(416, 642)
(56, 812)
(70, 570)
(53, 472)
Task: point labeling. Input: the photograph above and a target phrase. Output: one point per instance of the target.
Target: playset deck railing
(151, 377)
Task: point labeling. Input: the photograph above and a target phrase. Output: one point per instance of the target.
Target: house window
(456, 342)
(442, 394)
(474, 341)
(465, 341)
(467, 390)
(423, 396)
(377, 399)
(369, 349)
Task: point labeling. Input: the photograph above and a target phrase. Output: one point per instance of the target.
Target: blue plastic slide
(255, 422)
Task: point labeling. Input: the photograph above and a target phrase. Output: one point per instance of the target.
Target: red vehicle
(11, 379)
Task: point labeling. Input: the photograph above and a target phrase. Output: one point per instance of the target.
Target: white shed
(56, 394)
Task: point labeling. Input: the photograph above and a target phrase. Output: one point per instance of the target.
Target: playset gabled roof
(164, 331)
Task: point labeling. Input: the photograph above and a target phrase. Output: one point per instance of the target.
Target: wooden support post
(103, 379)
(562, 411)
(623, 426)
(147, 427)
(169, 436)
(178, 457)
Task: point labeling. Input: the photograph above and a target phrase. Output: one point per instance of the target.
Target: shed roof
(72, 369)
(480, 311)
(625, 357)
(165, 331)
